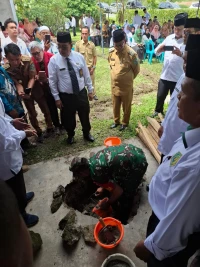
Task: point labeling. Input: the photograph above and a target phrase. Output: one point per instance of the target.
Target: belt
(63, 93)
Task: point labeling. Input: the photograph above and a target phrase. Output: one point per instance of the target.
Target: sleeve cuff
(22, 134)
(56, 97)
(152, 247)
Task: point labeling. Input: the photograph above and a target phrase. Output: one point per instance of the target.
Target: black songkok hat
(180, 19)
(192, 23)
(193, 64)
(64, 37)
(118, 36)
(193, 42)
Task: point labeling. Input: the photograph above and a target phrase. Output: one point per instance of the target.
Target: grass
(101, 116)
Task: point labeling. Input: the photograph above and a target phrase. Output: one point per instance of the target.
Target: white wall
(7, 10)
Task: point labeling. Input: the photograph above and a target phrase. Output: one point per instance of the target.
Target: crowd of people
(38, 67)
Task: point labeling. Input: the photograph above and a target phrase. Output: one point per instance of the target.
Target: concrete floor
(43, 178)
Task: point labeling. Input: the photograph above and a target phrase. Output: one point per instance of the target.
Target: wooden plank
(161, 117)
(148, 141)
(153, 133)
(154, 123)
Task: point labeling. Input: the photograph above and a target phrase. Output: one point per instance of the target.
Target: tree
(53, 12)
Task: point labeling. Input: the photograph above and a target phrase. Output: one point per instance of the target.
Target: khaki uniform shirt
(87, 50)
(23, 73)
(124, 69)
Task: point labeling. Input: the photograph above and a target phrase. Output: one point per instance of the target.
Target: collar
(84, 42)
(191, 137)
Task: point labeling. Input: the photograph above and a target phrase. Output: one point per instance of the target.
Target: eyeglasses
(119, 45)
(35, 54)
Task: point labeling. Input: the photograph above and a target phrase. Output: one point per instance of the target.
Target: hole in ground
(79, 195)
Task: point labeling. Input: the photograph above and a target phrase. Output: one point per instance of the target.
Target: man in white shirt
(84, 19)
(89, 21)
(12, 132)
(173, 232)
(68, 76)
(146, 15)
(172, 127)
(173, 64)
(11, 28)
(50, 47)
(137, 20)
(73, 24)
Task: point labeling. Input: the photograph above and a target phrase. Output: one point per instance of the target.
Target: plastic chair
(149, 50)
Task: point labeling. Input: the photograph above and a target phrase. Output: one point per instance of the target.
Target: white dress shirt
(59, 78)
(147, 16)
(173, 126)
(137, 20)
(73, 22)
(22, 46)
(53, 47)
(89, 21)
(173, 64)
(10, 149)
(174, 197)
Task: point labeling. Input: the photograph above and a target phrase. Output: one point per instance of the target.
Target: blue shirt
(8, 94)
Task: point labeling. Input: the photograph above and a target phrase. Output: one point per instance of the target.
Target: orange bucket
(109, 221)
(112, 141)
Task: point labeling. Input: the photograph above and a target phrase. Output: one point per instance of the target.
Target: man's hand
(177, 51)
(91, 71)
(26, 96)
(141, 251)
(90, 96)
(30, 133)
(19, 124)
(47, 45)
(104, 204)
(160, 131)
(14, 114)
(59, 104)
(99, 192)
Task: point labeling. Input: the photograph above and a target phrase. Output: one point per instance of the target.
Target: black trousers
(74, 31)
(72, 104)
(17, 185)
(52, 107)
(163, 89)
(182, 257)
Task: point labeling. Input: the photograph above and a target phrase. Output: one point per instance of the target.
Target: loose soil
(117, 263)
(79, 192)
(114, 230)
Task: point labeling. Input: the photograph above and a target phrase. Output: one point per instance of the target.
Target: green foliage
(162, 14)
(52, 12)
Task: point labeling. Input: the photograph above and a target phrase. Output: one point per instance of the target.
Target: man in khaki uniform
(22, 70)
(88, 50)
(124, 66)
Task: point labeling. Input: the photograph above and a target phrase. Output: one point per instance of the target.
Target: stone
(36, 241)
(88, 234)
(70, 218)
(71, 234)
(56, 203)
(60, 191)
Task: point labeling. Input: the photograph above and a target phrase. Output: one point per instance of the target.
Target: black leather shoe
(123, 127)
(89, 138)
(70, 140)
(114, 126)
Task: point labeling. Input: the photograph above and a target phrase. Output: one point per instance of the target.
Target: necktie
(73, 77)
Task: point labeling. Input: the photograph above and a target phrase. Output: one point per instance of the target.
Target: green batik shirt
(124, 165)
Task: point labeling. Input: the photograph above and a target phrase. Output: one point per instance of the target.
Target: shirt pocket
(82, 51)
